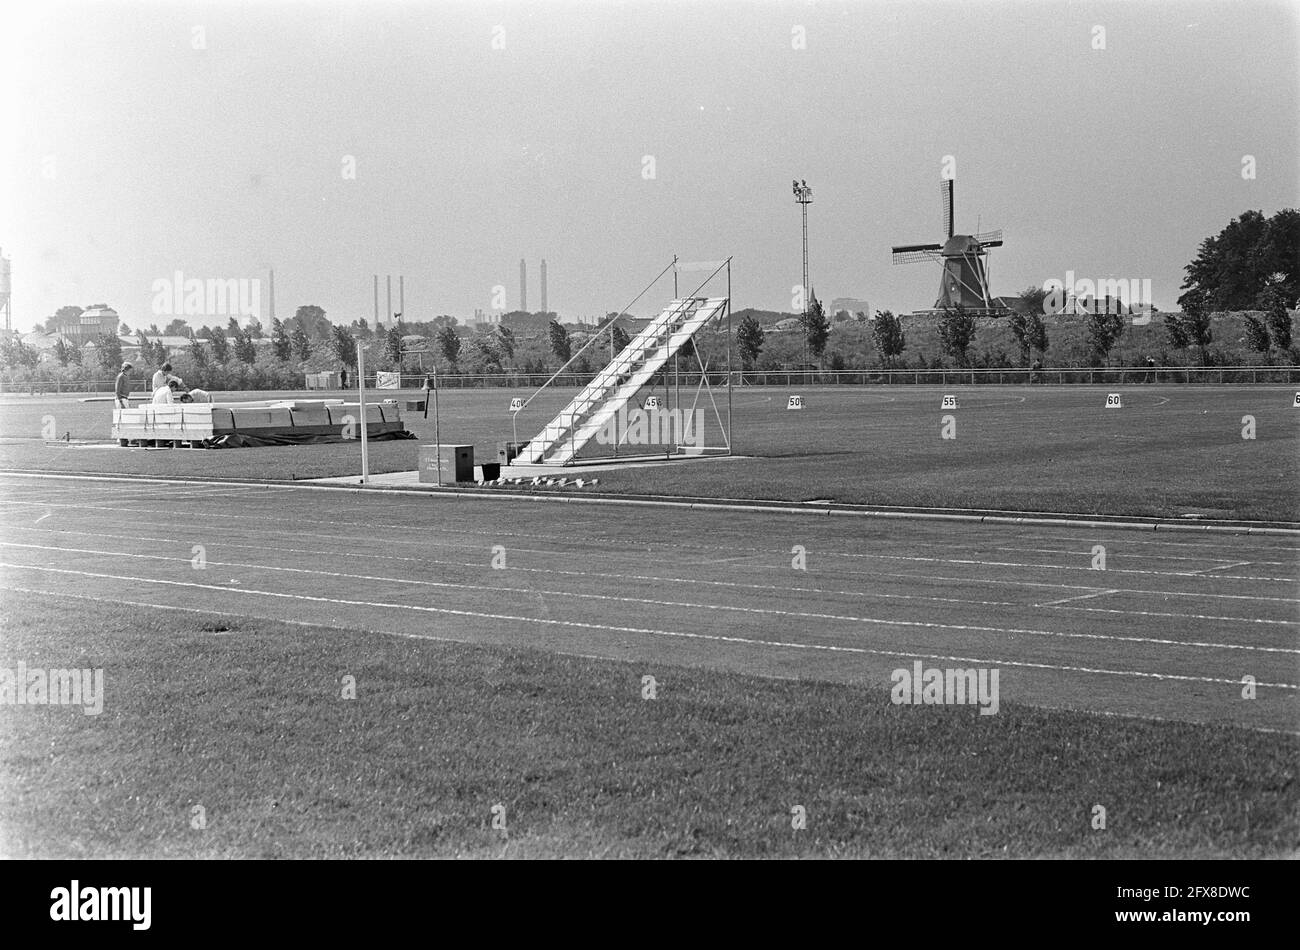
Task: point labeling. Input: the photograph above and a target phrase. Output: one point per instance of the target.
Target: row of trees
(1252, 264)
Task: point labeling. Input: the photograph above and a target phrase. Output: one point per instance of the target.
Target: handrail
(597, 336)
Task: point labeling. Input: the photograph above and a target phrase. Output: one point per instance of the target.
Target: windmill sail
(964, 281)
(945, 195)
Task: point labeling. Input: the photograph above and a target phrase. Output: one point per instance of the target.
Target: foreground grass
(245, 719)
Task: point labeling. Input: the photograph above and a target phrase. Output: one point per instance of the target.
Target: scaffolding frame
(689, 305)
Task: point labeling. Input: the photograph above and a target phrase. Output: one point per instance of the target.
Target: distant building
(173, 344)
(97, 321)
(43, 343)
(850, 305)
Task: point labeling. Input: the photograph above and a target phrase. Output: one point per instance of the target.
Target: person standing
(122, 394)
(162, 377)
(122, 387)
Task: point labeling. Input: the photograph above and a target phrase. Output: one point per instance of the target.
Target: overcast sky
(128, 154)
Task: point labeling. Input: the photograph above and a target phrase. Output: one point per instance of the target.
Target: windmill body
(964, 261)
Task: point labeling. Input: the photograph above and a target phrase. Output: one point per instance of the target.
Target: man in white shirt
(162, 377)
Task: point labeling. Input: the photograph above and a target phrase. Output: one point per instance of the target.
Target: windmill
(965, 279)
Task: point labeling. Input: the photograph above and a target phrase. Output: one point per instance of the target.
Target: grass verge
(245, 719)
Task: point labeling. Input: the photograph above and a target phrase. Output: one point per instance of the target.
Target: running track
(1166, 631)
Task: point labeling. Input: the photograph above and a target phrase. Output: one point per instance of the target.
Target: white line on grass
(1153, 613)
(772, 588)
(675, 546)
(1066, 600)
(644, 601)
(873, 575)
(713, 637)
(1060, 567)
(1086, 555)
(353, 628)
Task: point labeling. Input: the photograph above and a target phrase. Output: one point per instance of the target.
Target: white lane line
(1087, 555)
(1153, 613)
(354, 628)
(1199, 594)
(1056, 567)
(1066, 600)
(645, 601)
(672, 546)
(1223, 567)
(611, 628)
(598, 575)
(1169, 541)
(607, 575)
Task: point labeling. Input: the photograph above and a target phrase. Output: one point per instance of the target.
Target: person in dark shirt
(122, 387)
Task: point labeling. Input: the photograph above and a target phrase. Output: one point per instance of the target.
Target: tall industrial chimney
(544, 310)
(523, 284)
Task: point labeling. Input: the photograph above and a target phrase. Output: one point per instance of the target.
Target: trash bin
(507, 452)
(491, 471)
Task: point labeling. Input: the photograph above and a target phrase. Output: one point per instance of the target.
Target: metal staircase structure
(619, 382)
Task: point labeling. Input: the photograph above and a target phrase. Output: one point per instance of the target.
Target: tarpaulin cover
(302, 435)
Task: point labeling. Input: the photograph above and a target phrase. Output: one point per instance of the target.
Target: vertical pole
(361, 404)
(401, 295)
(804, 206)
(667, 450)
(616, 383)
(388, 316)
(376, 302)
(437, 426)
(728, 356)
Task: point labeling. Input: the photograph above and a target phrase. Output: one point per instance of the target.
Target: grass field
(244, 719)
(1171, 451)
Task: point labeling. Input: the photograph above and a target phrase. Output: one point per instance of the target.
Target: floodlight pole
(803, 195)
(361, 404)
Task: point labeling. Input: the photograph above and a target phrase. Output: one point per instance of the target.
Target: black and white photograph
(640, 430)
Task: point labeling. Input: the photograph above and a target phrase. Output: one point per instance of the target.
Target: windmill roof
(960, 244)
